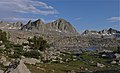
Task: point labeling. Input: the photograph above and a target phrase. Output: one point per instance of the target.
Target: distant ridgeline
(103, 33)
(59, 32)
(59, 26)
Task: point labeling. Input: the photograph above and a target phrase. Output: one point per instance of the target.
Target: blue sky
(82, 14)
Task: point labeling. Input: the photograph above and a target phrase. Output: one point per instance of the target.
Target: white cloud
(114, 19)
(27, 6)
(22, 19)
(44, 5)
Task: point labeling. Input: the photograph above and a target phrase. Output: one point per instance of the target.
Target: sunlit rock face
(62, 25)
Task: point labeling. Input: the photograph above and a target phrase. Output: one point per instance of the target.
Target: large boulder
(100, 65)
(1, 71)
(3, 59)
(117, 55)
(113, 62)
(17, 67)
(32, 61)
(6, 64)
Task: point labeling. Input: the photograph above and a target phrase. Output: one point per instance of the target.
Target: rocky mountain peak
(18, 24)
(29, 22)
(62, 25)
(111, 30)
(10, 25)
(36, 25)
(89, 32)
(105, 32)
(61, 20)
(39, 22)
(58, 26)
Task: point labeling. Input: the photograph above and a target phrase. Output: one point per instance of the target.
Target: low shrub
(32, 54)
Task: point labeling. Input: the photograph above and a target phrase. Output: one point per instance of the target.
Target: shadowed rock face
(36, 25)
(58, 26)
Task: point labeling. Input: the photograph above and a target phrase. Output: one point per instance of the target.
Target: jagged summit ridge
(105, 32)
(60, 26)
(10, 25)
(33, 25)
